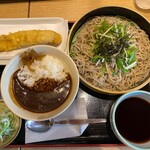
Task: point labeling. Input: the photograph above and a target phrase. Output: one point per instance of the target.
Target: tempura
(26, 38)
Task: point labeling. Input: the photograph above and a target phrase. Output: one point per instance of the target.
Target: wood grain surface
(72, 10)
(14, 8)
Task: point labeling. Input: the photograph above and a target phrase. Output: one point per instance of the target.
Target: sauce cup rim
(112, 117)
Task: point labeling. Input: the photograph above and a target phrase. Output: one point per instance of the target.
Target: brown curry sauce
(40, 102)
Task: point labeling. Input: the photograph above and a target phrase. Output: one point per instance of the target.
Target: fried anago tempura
(22, 39)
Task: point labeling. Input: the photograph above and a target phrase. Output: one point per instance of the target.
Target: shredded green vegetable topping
(7, 123)
(114, 44)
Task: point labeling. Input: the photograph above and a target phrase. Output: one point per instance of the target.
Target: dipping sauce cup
(130, 119)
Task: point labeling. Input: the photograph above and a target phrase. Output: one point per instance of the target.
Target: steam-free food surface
(111, 53)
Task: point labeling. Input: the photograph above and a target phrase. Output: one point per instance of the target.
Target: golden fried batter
(22, 39)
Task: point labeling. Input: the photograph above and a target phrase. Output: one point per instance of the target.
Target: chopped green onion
(106, 31)
(96, 58)
(131, 65)
(113, 40)
(7, 120)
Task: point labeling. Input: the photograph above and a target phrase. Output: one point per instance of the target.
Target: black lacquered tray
(98, 106)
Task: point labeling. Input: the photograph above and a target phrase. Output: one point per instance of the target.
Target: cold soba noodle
(111, 53)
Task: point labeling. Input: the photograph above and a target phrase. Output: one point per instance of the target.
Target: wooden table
(74, 9)
(71, 10)
(14, 9)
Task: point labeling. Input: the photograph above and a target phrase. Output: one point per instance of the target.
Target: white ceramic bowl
(13, 65)
(139, 94)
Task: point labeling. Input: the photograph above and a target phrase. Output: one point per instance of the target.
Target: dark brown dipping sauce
(40, 102)
(133, 120)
